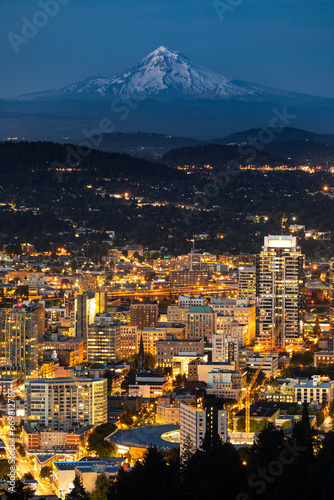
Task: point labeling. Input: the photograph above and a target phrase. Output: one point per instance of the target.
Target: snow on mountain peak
(168, 74)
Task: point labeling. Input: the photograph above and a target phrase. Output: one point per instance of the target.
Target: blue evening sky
(286, 44)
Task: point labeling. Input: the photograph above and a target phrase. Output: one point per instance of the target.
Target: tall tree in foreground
(78, 492)
(21, 492)
(102, 489)
(151, 478)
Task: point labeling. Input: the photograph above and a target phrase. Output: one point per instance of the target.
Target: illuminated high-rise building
(201, 322)
(104, 340)
(62, 403)
(87, 305)
(331, 298)
(280, 289)
(246, 282)
(144, 315)
(206, 417)
(194, 261)
(21, 333)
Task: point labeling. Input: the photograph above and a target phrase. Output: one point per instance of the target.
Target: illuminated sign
(68, 447)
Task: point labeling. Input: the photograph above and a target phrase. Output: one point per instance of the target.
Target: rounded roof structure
(164, 437)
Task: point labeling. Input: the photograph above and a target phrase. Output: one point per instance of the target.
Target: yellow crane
(248, 387)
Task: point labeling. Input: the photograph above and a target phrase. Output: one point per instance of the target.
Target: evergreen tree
(324, 471)
(297, 481)
(78, 492)
(215, 468)
(331, 409)
(303, 433)
(267, 447)
(102, 488)
(22, 492)
(151, 478)
(317, 328)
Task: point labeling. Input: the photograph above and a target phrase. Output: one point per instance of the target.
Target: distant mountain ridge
(295, 145)
(217, 156)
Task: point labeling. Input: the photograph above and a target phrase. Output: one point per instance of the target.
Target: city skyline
(166, 249)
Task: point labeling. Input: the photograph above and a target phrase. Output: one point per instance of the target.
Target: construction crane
(278, 331)
(248, 387)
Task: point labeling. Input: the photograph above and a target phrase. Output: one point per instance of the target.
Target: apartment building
(63, 403)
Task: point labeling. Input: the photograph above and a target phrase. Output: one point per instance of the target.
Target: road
(184, 290)
(23, 467)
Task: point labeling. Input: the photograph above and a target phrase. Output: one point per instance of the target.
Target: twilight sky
(288, 44)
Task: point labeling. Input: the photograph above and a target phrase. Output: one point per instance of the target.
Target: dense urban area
(185, 372)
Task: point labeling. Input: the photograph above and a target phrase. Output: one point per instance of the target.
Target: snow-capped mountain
(163, 73)
(183, 99)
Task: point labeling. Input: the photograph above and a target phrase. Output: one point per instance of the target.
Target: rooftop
(85, 464)
(143, 437)
(321, 385)
(200, 309)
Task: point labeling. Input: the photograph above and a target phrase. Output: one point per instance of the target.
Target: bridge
(169, 292)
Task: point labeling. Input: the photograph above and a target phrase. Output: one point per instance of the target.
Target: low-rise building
(176, 329)
(224, 384)
(188, 278)
(284, 392)
(136, 440)
(55, 441)
(63, 473)
(182, 360)
(168, 414)
(323, 357)
(148, 386)
(257, 413)
(79, 345)
(315, 390)
(270, 367)
(133, 403)
(167, 349)
(199, 369)
(188, 301)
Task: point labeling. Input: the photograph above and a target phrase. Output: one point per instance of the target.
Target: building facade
(144, 315)
(206, 416)
(128, 335)
(201, 322)
(280, 289)
(188, 278)
(331, 298)
(21, 330)
(63, 403)
(167, 349)
(225, 348)
(104, 340)
(84, 313)
(225, 384)
(314, 391)
(247, 282)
